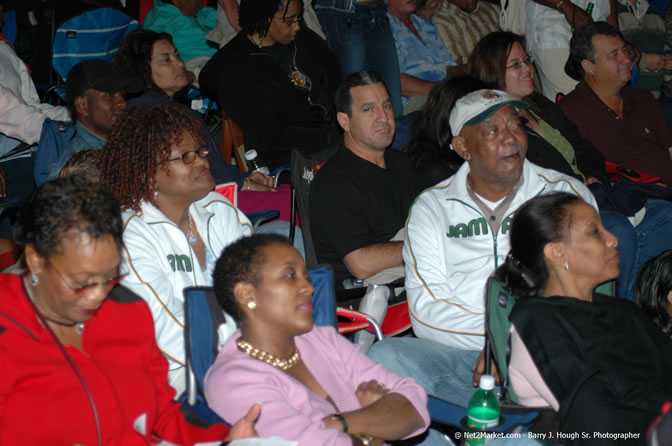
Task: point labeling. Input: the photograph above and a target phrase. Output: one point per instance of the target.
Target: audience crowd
(458, 150)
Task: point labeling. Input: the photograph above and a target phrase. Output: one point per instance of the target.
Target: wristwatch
(367, 440)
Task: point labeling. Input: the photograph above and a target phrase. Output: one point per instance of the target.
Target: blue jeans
(638, 244)
(363, 41)
(282, 227)
(442, 371)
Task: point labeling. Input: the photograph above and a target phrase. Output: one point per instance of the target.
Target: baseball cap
(98, 74)
(478, 106)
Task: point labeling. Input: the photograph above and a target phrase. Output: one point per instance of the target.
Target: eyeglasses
(109, 283)
(190, 157)
(519, 64)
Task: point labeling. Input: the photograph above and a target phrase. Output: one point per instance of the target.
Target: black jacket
(539, 151)
(256, 93)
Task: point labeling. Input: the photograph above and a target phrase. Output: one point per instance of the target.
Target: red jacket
(42, 401)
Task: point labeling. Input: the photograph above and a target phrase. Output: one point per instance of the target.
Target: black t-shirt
(354, 203)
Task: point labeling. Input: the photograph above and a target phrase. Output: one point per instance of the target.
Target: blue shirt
(83, 139)
(426, 59)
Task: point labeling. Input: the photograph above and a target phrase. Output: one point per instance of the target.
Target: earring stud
(251, 305)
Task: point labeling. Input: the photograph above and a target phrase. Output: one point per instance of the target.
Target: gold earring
(251, 305)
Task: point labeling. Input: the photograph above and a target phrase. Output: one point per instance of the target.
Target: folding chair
(95, 34)
(304, 167)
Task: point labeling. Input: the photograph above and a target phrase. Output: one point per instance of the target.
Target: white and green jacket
(161, 262)
(450, 252)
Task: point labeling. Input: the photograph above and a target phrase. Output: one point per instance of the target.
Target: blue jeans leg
(620, 226)
(363, 40)
(654, 235)
(443, 371)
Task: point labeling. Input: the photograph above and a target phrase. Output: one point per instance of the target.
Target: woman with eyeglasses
(175, 227)
(151, 57)
(79, 359)
(640, 223)
(275, 81)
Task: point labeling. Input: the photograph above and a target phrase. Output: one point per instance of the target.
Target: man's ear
(82, 106)
(460, 147)
(588, 66)
(344, 120)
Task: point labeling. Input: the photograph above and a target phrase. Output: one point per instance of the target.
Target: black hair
(581, 46)
(240, 262)
(541, 220)
(135, 54)
(488, 59)
(431, 130)
(63, 205)
(254, 16)
(343, 96)
(654, 283)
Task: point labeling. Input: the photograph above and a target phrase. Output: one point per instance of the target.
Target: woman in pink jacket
(314, 386)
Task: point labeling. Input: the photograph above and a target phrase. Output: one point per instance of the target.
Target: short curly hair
(83, 163)
(581, 46)
(138, 145)
(135, 54)
(63, 205)
(240, 262)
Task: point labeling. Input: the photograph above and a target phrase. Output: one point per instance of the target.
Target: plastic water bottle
(254, 163)
(484, 410)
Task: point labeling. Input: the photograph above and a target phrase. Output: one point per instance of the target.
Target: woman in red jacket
(80, 364)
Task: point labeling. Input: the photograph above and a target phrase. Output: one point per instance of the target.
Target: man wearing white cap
(457, 236)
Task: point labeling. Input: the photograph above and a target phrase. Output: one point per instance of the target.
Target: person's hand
(591, 180)
(3, 183)
(244, 428)
(261, 178)
(250, 184)
(369, 392)
(479, 369)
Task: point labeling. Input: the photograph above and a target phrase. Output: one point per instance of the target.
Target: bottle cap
(487, 382)
(250, 154)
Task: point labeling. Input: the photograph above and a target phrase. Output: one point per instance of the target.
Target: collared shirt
(460, 31)
(426, 59)
(639, 141)
(83, 139)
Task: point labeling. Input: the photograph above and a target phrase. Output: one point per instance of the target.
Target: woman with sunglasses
(80, 364)
(175, 227)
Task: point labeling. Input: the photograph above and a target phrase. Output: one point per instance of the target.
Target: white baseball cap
(478, 106)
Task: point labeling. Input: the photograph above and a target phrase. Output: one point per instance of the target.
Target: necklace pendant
(80, 328)
(192, 240)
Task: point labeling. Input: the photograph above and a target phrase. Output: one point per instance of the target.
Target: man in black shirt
(360, 198)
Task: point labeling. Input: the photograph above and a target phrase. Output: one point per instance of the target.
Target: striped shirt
(460, 30)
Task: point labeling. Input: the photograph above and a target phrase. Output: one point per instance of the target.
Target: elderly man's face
(371, 120)
(495, 148)
(612, 61)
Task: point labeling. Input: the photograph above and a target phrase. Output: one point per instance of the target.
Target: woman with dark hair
(429, 149)
(653, 290)
(315, 386)
(275, 81)
(554, 142)
(597, 360)
(151, 57)
(80, 364)
(175, 227)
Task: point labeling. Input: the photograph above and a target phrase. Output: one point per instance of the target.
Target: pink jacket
(289, 409)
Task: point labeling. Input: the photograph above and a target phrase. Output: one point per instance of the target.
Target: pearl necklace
(282, 364)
